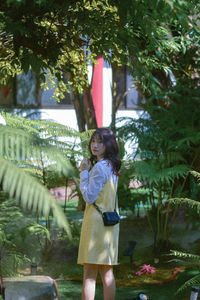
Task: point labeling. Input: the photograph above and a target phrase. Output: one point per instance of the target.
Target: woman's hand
(85, 165)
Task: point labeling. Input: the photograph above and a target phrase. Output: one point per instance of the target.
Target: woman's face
(97, 147)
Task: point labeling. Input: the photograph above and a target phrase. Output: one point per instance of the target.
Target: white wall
(65, 117)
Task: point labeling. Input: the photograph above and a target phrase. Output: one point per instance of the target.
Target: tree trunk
(119, 91)
(89, 109)
(79, 109)
(15, 90)
(38, 93)
(114, 99)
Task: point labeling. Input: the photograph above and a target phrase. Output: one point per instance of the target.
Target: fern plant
(158, 169)
(22, 239)
(10, 256)
(189, 259)
(25, 142)
(35, 155)
(165, 146)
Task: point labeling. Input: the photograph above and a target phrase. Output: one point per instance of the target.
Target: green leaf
(29, 193)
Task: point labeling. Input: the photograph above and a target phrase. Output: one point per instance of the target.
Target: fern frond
(20, 123)
(17, 143)
(35, 230)
(182, 262)
(52, 156)
(43, 132)
(196, 175)
(152, 172)
(54, 129)
(171, 173)
(184, 255)
(187, 202)
(189, 257)
(173, 157)
(188, 139)
(47, 128)
(11, 261)
(43, 128)
(22, 146)
(30, 193)
(195, 281)
(86, 135)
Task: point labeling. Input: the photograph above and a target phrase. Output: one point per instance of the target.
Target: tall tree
(162, 39)
(58, 36)
(155, 39)
(166, 69)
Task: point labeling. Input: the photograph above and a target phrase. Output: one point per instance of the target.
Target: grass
(71, 290)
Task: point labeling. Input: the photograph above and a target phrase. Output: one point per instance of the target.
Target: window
(126, 90)
(47, 94)
(24, 90)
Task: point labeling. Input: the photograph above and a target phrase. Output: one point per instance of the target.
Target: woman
(98, 249)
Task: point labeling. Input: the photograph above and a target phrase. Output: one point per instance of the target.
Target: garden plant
(33, 160)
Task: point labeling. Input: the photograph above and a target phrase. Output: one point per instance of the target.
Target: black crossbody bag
(110, 218)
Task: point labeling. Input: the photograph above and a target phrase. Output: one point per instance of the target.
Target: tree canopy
(55, 35)
(64, 35)
(158, 40)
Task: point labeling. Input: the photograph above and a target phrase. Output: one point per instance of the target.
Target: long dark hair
(111, 148)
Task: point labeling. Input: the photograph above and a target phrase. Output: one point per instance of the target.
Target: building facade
(24, 93)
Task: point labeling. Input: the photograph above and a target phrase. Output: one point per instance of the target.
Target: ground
(60, 262)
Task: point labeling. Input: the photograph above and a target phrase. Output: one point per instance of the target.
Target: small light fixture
(142, 296)
(156, 260)
(194, 293)
(33, 269)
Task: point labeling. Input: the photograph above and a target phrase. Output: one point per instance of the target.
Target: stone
(30, 288)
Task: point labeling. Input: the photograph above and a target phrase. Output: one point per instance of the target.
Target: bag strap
(97, 207)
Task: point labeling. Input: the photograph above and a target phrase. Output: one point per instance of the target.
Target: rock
(30, 288)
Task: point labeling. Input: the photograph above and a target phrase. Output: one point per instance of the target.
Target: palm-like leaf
(184, 255)
(188, 257)
(30, 193)
(154, 173)
(23, 133)
(195, 281)
(196, 175)
(193, 204)
(25, 143)
(17, 144)
(41, 147)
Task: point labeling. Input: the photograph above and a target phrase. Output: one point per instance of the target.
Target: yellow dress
(99, 243)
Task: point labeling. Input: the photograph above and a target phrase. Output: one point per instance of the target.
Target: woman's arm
(92, 183)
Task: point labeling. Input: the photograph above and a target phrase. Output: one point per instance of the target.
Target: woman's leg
(108, 279)
(90, 272)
